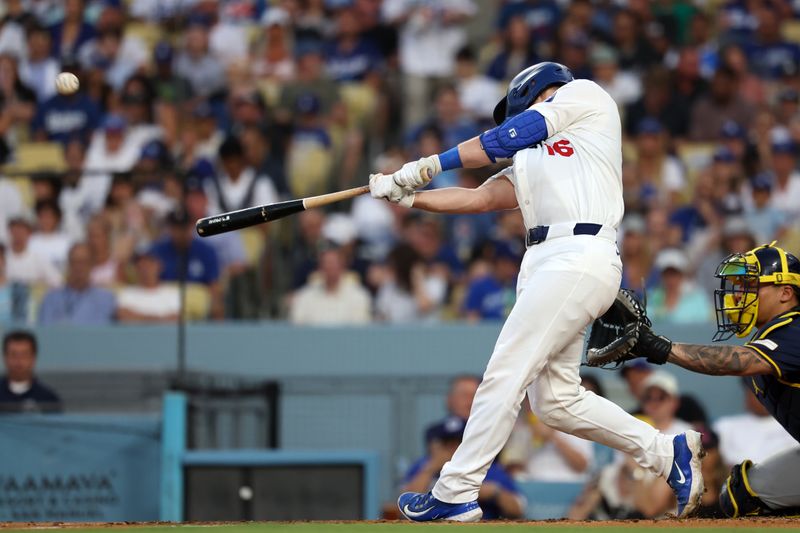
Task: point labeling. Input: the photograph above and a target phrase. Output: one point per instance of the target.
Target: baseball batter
(563, 137)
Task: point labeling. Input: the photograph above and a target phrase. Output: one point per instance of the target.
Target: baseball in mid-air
(67, 83)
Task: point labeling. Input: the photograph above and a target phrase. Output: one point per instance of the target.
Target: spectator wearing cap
(20, 390)
(660, 403)
(311, 79)
(309, 160)
(498, 496)
(272, 57)
(623, 86)
(49, 241)
(78, 302)
(203, 139)
(349, 56)
(150, 300)
(64, 117)
(786, 184)
(722, 103)
(659, 173)
(237, 185)
(766, 221)
(195, 62)
(332, 296)
(154, 179)
(476, 91)
(753, 434)
(247, 108)
(169, 87)
(677, 300)
(431, 32)
(23, 265)
(491, 295)
(516, 53)
(111, 150)
(39, 69)
(138, 99)
(72, 32)
(183, 255)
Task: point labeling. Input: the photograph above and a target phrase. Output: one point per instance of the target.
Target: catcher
(759, 290)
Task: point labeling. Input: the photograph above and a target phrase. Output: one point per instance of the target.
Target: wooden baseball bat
(244, 218)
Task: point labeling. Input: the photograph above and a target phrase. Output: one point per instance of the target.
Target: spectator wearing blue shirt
(350, 56)
(498, 496)
(78, 302)
(517, 52)
(491, 296)
(72, 33)
(769, 52)
(184, 256)
(62, 117)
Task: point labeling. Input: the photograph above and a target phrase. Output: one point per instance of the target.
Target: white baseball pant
(564, 284)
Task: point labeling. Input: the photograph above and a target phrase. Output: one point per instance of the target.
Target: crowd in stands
(192, 107)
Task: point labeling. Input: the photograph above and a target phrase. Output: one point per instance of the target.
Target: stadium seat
(35, 157)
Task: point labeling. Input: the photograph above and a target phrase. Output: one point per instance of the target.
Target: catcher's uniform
(569, 189)
(775, 480)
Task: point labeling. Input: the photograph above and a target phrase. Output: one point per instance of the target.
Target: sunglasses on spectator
(655, 396)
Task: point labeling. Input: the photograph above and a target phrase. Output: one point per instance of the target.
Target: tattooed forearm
(718, 360)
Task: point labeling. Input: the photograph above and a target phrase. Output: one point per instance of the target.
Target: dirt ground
(753, 522)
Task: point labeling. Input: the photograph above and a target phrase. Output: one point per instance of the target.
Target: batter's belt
(539, 234)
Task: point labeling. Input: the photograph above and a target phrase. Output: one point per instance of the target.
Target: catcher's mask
(741, 276)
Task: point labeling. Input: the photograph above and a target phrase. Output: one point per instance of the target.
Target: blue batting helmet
(527, 86)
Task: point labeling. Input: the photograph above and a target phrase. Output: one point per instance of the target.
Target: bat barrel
(244, 218)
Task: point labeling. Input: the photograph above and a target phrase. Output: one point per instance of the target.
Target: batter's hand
(383, 186)
(416, 174)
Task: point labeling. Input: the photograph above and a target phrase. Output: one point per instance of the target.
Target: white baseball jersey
(575, 175)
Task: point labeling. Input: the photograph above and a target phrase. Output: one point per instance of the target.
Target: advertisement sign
(79, 468)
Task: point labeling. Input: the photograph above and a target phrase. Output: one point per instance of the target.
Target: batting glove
(416, 174)
(383, 186)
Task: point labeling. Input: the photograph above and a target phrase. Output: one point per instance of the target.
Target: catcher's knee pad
(737, 498)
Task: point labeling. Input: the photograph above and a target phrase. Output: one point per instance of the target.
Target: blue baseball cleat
(420, 507)
(685, 478)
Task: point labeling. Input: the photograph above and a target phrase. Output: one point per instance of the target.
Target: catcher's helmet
(741, 275)
(527, 86)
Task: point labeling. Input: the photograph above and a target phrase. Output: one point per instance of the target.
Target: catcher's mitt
(614, 335)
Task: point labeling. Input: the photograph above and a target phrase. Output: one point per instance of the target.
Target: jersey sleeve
(569, 104)
(779, 344)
